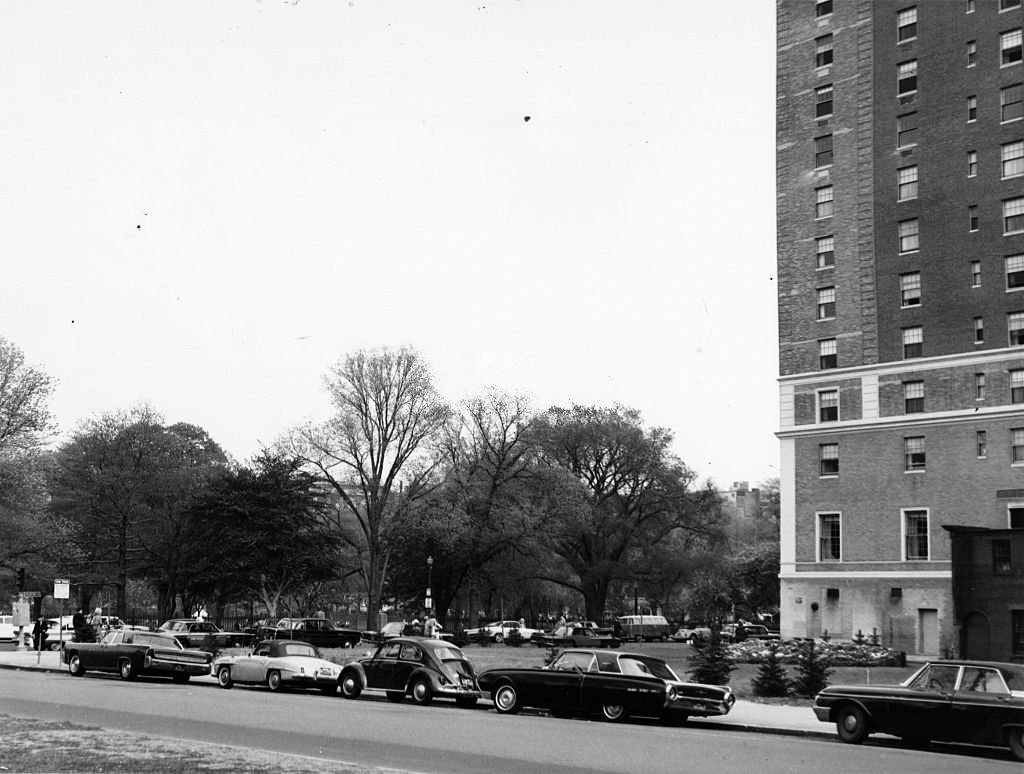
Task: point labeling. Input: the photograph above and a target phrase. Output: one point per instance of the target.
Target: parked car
(574, 635)
(317, 631)
(7, 630)
(643, 628)
(615, 685)
(737, 632)
(200, 634)
(131, 653)
(279, 664)
(692, 634)
(401, 629)
(499, 631)
(973, 702)
(422, 668)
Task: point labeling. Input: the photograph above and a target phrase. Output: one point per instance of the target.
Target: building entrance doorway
(928, 632)
(977, 642)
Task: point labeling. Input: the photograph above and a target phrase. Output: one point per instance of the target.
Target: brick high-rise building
(900, 204)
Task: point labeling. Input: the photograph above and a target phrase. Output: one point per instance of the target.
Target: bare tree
(375, 453)
(24, 391)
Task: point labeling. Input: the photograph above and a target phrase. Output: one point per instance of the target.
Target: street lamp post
(428, 602)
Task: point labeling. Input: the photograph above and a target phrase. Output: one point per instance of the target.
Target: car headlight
(672, 693)
(148, 660)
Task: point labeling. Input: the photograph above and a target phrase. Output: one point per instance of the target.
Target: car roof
(428, 643)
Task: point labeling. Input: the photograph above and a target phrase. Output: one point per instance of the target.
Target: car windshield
(299, 649)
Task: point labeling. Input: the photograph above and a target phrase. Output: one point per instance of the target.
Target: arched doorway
(977, 643)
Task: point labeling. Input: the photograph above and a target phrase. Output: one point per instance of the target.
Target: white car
(499, 631)
(7, 630)
(279, 664)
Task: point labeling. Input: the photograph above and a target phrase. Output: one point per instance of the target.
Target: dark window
(827, 356)
(906, 130)
(823, 151)
(829, 538)
(828, 406)
(1001, 558)
(1010, 47)
(972, 217)
(1017, 645)
(913, 453)
(906, 77)
(906, 24)
(828, 459)
(1016, 518)
(823, 51)
(913, 397)
(1011, 102)
(823, 8)
(916, 526)
(823, 101)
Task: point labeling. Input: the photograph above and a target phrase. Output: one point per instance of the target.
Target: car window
(263, 652)
(410, 653)
(936, 677)
(608, 662)
(296, 649)
(574, 661)
(112, 638)
(981, 680)
(633, 666)
(390, 650)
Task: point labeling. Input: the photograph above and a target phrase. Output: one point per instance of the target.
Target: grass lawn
(675, 653)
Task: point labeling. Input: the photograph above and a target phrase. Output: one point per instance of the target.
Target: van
(643, 628)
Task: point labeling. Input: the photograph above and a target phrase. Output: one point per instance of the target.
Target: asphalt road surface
(448, 740)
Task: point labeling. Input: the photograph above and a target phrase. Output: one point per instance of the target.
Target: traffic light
(21, 579)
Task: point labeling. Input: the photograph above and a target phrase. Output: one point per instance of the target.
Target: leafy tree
(374, 452)
(755, 577)
(126, 481)
(637, 494)
(711, 663)
(264, 531)
(812, 669)
(771, 679)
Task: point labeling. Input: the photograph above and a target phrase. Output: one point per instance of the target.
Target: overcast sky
(205, 205)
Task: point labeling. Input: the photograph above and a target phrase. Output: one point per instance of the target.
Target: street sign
(30, 594)
(61, 588)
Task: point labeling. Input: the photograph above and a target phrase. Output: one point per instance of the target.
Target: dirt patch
(31, 745)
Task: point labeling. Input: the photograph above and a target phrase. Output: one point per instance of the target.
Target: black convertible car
(973, 702)
(615, 685)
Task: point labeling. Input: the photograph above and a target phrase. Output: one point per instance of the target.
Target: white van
(644, 628)
(7, 627)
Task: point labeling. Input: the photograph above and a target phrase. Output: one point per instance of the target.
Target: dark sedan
(317, 631)
(422, 668)
(574, 635)
(204, 634)
(130, 653)
(614, 685)
(973, 702)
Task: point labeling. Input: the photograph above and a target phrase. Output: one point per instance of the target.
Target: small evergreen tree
(771, 678)
(711, 663)
(812, 671)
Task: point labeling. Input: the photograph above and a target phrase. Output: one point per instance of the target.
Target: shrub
(711, 663)
(771, 678)
(812, 668)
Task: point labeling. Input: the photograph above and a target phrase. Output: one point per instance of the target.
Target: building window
(1001, 558)
(829, 537)
(1013, 159)
(972, 53)
(823, 202)
(913, 453)
(979, 386)
(826, 303)
(969, 5)
(906, 130)
(1010, 49)
(975, 274)
(972, 108)
(823, 101)
(1015, 327)
(909, 236)
(825, 251)
(979, 330)
(906, 183)
(1017, 385)
(1017, 446)
(1011, 102)
(823, 151)
(828, 459)
(915, 535)
(823, 51)
(906, 24)
(972, 163)
(827, 357)
(910, 289)
(1017, 643)
(972, 217)
(1014, 272)
(822, 8)
(906, 78)
(828, 405)
(981, 444)
(913, 397)
(1013, 215)
(1006, 5)
(913, 342)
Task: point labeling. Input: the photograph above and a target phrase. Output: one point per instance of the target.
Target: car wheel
(499, 638)
(180, 677)
(395, 696)
(274, 680)
(852, 724)
(224, 677)
(351, 685)
(465, 701)
(127, 669)
(75, 666)
(613, 712)
(421, 691)
(506, 699)
(1015, 738)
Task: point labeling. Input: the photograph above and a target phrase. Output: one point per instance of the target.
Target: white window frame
(1014, 272)
(824, 48)
(1011, 47)
(979, 330)
(980, 385)
(1011, 155)
(908, 466)
(826, 298)
(972, 53)
(973, 220)
(910, 282)
(901, 130)
(1016, 433)
(825, 259)
(906, 71)
(1015, 322)
(828, 90)
(906, 19)
(908, 233)
(822, 458)
(904, 513)
(972, 163)
(818, 405)
(824, 202)
(913, 334)
(913, 390)
(1013, 216)
(975, 274)
(906, 183)
(972, 108)
(819, 517)
(1016, 386)
(981, 444)
(828, 348)
(1015, 106)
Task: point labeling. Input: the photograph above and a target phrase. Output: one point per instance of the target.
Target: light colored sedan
(279, 664)
(499, 631)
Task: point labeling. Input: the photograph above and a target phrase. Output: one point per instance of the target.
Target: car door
(380, 668)
(104, 655)
(252, 669)
(563, 687)
(981, 705)
(921, 709)
(410, 658)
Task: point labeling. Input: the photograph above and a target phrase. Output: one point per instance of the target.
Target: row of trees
(511, 504)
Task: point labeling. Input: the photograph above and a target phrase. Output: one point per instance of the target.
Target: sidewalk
(745, 716)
